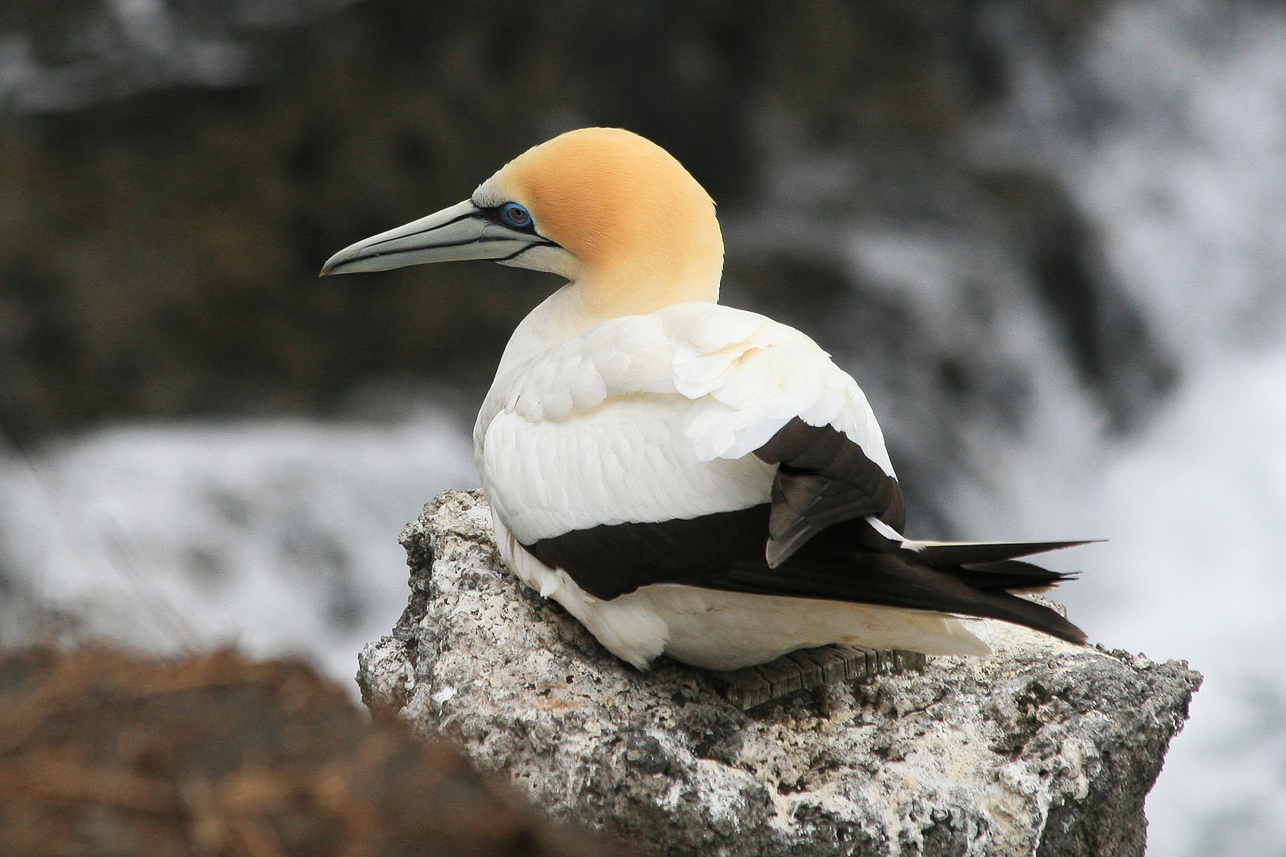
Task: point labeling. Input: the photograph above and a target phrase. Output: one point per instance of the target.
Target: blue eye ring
(513, 214)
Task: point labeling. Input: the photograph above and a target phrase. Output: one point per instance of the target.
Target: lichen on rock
(1044, 748)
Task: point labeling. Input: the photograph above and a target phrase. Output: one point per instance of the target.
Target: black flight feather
(823, 478)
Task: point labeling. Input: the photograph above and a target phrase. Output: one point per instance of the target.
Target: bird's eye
(514, 214)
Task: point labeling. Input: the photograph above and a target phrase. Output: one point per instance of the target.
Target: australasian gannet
(685, 477)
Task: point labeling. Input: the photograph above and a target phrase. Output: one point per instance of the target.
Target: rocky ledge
(1044, 748)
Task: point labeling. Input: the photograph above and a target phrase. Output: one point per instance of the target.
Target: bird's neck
(650, 281)
(602, 296)
(584, 304)
(558, 318)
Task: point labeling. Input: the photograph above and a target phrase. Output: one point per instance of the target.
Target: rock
(108, 752)
(1045, 748)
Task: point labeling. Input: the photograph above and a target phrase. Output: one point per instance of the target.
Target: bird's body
(682, 476)
(655, 418)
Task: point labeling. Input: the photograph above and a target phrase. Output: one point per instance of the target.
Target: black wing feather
(823, 478)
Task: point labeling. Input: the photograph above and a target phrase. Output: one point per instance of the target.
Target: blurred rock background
(1048, 238)
(174, 172)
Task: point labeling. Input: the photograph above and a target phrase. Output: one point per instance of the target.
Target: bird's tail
(964, 578)
(995, 570)
(943, 554)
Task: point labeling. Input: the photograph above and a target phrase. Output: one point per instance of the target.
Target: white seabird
(688, 478)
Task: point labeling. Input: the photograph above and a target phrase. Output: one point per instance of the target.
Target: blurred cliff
(175, 173)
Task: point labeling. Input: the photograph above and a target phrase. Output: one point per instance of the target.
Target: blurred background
(1048, 238)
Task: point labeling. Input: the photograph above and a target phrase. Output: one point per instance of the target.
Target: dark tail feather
(1010, 575)
(947, 554)
(992, 571)
(1012, 608)
(903, 579)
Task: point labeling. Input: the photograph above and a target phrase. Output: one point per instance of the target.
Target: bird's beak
(460, 232)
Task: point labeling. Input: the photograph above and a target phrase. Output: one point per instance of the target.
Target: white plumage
(648, 418)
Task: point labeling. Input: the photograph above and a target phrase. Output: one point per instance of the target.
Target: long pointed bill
(460, 232)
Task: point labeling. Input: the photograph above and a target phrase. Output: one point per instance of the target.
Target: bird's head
(612, 212)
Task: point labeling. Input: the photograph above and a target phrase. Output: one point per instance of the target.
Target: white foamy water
(1197, 512)
(279, 536)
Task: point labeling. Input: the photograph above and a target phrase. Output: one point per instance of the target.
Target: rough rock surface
(1044, 748)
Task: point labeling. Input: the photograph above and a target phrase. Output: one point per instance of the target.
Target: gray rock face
(1042, 749)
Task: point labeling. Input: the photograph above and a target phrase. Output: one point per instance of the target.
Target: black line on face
(455, 219)
(515, 254)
